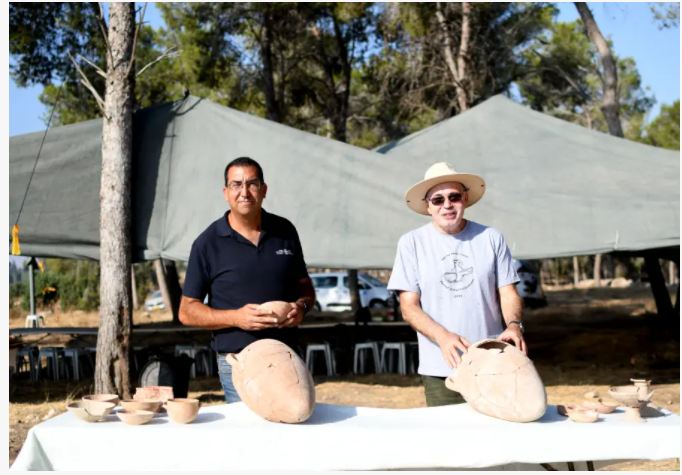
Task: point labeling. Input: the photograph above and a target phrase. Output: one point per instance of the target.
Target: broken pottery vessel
(272, 380)
(278, 309)
(141, 405)
(498, 380)
(583, 416)
(634, 397)
(154, 393)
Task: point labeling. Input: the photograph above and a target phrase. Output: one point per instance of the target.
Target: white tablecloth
(231, 437)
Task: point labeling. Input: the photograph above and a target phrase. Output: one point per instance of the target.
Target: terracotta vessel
(154, 393)
(278, 309)
(583, 416)
(498, 380)
(91, 411)
(632, 415)
(273, 381)
(600, 407)
(135, 418)
(182, 410)
(103, 398)
(141, 405)
(642, 386)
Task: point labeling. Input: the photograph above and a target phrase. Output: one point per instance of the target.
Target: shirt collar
(225, 230)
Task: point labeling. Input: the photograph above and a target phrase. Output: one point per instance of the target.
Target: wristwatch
(305, 305)
(519, 323)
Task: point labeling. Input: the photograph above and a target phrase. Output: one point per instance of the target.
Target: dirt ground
(584, 340)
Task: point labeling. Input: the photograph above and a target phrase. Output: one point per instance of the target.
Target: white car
(529, 289)
(155, 302)
(332, 295)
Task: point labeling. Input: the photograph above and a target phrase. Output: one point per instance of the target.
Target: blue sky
(629, 25)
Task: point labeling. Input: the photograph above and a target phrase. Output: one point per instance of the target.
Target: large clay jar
(272, 380)
(498, 380)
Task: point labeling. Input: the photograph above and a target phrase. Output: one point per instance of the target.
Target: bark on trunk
(610, 102)
(354, 290)
(113, 341)
(576, 271)
(597, 270)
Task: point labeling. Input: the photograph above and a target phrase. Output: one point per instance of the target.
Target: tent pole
(31, 285)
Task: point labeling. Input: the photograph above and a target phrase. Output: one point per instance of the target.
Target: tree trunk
(272, 108)
(133, 285)
(597, 270)
(113, 340)
(457, 66)
(658, 288)
(576, 271)
(610, 103)
(672, 274)
(354, 290)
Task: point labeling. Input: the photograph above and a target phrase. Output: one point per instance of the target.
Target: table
(231, 437)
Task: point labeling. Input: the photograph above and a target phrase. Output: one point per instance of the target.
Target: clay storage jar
(272, 380)
(498, 380)
(278, 309)
(182, 410)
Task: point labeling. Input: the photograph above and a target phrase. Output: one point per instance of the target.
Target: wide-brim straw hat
(442, 173)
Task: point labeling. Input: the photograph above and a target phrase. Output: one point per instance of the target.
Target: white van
(332, 295)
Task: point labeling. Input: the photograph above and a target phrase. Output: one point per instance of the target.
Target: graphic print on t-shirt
(459, 275)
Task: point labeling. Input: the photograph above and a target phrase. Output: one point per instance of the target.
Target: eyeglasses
(439, 200)
(253, 185)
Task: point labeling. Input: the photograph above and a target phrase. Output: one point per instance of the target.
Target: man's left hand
(294, 317)
(514, 334)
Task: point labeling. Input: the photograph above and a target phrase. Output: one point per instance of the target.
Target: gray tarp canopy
(553, 188)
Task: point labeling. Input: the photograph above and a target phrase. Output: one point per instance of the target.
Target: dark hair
(245, 162)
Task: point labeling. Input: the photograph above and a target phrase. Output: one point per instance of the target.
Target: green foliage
(667, 14)
(563, 79)
(664, 131)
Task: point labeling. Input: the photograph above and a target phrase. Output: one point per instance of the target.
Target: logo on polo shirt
(459, 273)
(285, 252)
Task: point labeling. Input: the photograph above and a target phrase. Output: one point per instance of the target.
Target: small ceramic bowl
(91, 411)
(135, 418)
(102, 398)
(182, 410)
(141, 405)
(583, 416)
(600, 407)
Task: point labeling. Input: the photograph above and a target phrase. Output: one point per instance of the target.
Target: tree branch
(97, 68)
(137, 30)
(86, 83)
(103, 27)
(166, 54)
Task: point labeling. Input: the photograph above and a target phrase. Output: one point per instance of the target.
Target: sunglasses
(439, 200)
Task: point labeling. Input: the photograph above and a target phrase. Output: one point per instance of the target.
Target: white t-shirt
(457, 277)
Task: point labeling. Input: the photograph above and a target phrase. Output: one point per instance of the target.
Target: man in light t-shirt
(455, 278)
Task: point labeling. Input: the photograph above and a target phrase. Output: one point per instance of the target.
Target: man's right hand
(249, 318)
(449, 344)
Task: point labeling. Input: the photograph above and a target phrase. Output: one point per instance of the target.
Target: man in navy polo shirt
(245, 258)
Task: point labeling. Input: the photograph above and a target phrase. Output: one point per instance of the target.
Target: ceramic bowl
(91, 411)
(278, 309)
(102, 398)
(583, 416)
(141, 405)
(182, 410)
(626, 395)
(161, 393)
(135, 417)
(600, 407)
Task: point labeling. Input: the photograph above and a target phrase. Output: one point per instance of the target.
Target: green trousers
(437, 394)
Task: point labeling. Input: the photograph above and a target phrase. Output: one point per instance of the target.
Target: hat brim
(415, 195)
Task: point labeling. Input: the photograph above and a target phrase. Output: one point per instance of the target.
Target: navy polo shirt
(233, 272)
